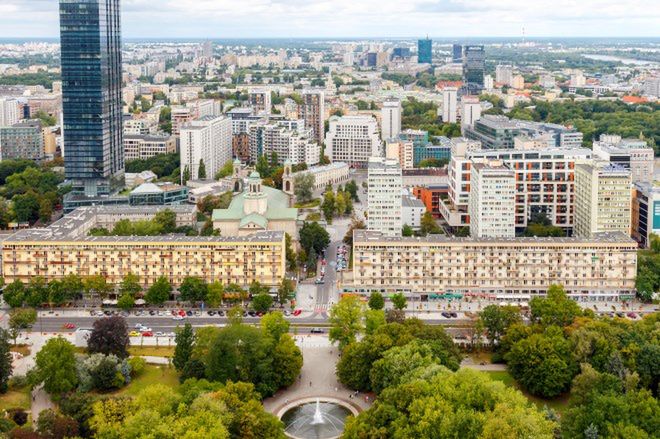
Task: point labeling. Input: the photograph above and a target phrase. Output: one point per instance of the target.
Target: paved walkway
(40, 401)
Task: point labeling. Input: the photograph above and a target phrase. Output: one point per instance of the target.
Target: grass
(16, 398)
(150, 375)
(480, 356)
(308, 205)
(151, 351)
(558, 403)
(22, 349)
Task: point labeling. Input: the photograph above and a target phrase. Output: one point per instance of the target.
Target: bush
(19, 416)
(18, 382)
(137, 365)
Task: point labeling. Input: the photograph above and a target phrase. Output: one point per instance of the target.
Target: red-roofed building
(634, 100)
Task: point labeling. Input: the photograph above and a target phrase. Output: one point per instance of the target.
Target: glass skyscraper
(90, 36)
(424, 51)
(474, 66)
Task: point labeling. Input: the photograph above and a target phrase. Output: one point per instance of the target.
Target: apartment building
(384, 196)
(390, 119)
(603, 199)
(400, 150)
(312, 111)
(288, 139)
(260, 101)
(599, 268)
(492, 200)
(65, 248)
(9, 113)
(334, 173)
(206, 140)
(633, 154)
(142, 146)
(353, 140)
(645, 213)
(23, 140)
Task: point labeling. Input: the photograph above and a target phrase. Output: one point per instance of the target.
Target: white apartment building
(9, 113)
(633, 154)
(449, 107)
(260, 101)
(207, 139)
(603, 199)
(142, 146)
(384, 196)
(504, 74)
(353, 139)
(470, 110)
(137, 127)
(391, 119)
(412, 210)
(312, 111)
(288, 139)
(492, 200)
(334, 173)
(401, 150)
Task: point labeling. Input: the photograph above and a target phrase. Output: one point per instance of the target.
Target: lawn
(15, 398)
(150, 376)
(559, 403)
(308, 204)
(151, 351)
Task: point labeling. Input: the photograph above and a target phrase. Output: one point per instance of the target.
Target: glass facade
(90, 36)
(424, 51)
(474, 65)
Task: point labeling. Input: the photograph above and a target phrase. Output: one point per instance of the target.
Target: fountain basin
(315, 418)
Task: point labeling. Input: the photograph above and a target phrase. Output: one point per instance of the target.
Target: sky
(353, 18)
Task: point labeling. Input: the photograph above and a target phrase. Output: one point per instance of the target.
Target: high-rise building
(645, 213)
(9, 114)
(495, 132)
(313, 112)
(384, 196)
(390, 119)
(23, 140)
(208, 141)
(400, 150)
(260, 101)
(457, 53)
(353, 139)
(449, 95)
(90, 37)
(633, 154)
(603, 199)
(492, 200)
(474, 66)
(470, 110)
(504, 74)
(425, 51)
(287, 140)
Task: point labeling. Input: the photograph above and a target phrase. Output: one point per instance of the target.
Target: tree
(399, 301)
(303, 187)
(497, 319)
(274, 325)
(290, 253)
(14, 294)
(159, 292)
(56, 366)
(262, 302)
(555, 309)
(55, 426)
(374, 319)
(226, 170)
(376, 300)
(20, 320)
(399, 362)
(193, 289)
(130, 285)
(543, 363)
(6, 367)
(428, 224)
(407, 230)
(186, 175)
(214, 294)
(328, 206)
(345, 321)
(109, 336)
(166, 219)
(313, 236)
(184, 339)
(97, 285)
(287, 361)
(201, 171)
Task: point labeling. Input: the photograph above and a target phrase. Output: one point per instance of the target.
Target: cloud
(347, 18)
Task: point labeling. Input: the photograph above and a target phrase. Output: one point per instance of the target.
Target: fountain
(315, 420)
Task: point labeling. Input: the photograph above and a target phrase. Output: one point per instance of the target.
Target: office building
(492, 200)
(633, 154)
(208, 141)
(66, 248)
(645, 213)
(9, 112)
(384, 196)
(425, 51)
(603, 199)
(474, 67)
(146, 146)
(260, 101)
(514, 269)
(470, 111)
(158, 194)
(23, 140)
(401, 53)
(390, 119)
(457, 53)
(412, 211)
(353, 140)
(313, 112)
(449, 108)
(90, 37)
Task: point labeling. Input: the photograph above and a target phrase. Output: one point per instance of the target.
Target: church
(256, 208)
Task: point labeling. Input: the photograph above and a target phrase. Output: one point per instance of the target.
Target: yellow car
(133, 334)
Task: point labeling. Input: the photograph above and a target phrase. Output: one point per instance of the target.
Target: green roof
(278, 209)
(254, 218)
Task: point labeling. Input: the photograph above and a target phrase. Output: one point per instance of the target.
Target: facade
(456, 53)
(260, 101)
(313, 112)
(138, 146)
(645, 213)
(470, 111)
(65, 248)
(90, 37)
(9, 114)
(449, 108)
(288, 139)
(208, 140)
(400, 150)
(602, 199)
(23, 140)
(334, 173)
(492, 200)
(353, 140)
(384, 196)
(633, 154)
(425, 51)
(504, 74)
(257, 208)
(602, 268)
(430, 196)
(158, 194)
(240, 146)
(390, 119)
(412, 211)
(474, 67)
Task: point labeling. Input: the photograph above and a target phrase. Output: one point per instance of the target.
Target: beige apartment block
(601, 268)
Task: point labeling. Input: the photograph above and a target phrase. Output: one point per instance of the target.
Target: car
(245, 314)
(159, 334)
(445, 315)
(124, 314)
(170, 334)
(287, 312)
(178, 317)
(92, 313)
(107, 312)
(221, 313)
(210, 312)
(260, 314)
(138, 325)
(252, 313)
(297, 312)
(632, 315)
(319, 281)
(316, 331)
(145, 329)
(147, 334)
(160, 313)
(197, 313)
(133, 334)
(182, 313)
(620, 314)
(69, 326)
(152, 312)
(453, 314)
(189, 313)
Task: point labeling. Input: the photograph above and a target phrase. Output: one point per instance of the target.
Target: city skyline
(342, 19)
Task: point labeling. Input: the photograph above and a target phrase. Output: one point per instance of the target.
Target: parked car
(147, 334)
(445, 315)
(453, 314)
(316, 331)
(69, 326)
(159, 334)
(221, 313)
(632, 315)
(133, 334)
(297, 312)
(210, 312)
(189, 313)
(178, 317)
